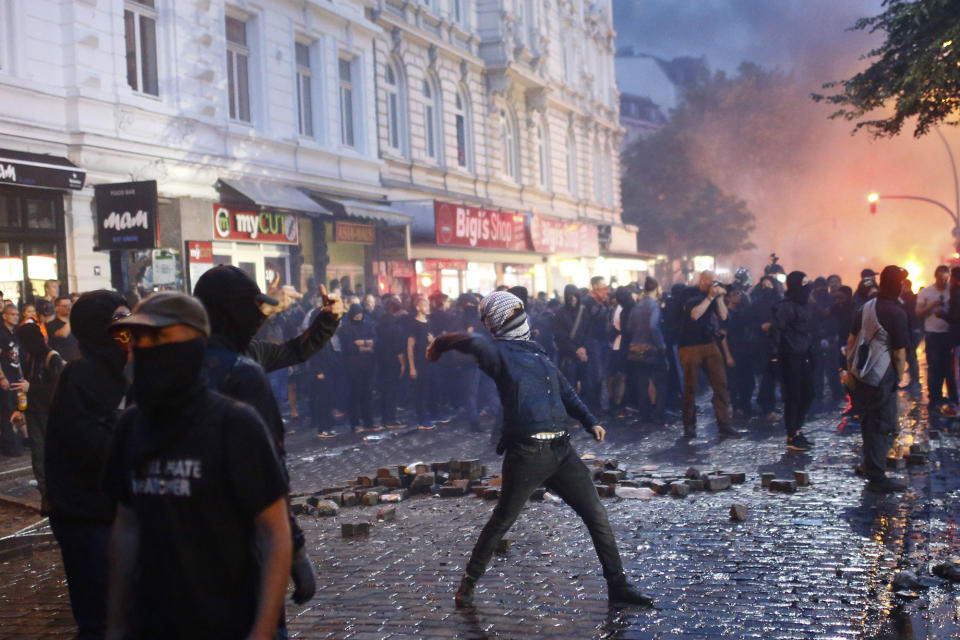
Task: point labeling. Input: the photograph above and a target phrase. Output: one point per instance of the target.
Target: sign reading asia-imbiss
(463, 226)
(126, 215)
(244, 225)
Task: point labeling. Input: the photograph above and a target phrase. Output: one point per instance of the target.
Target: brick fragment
(612, 477)
(387, 514)
(737, 477)
(453, 491)
(495, 481)
(391, 482)
(738, 512)
(326, 508)
(696, 485)
(491, 493)
(388, 472)
(348, 499)
(370, 499)
(783, 486)
(364, 481)
(422, 483)
(766, 479)
(679, 489)
(718, 483)
(802, 478)
(693, 473)
(421, 468)
(606, 490)
(920, 447)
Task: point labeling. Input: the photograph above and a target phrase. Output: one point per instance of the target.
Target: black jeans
(388, 376)
(83, 545)
(878, 426)
(767, 395)
(556, 465)
(938, 346)
(797, 387)
(639, 377)
(360, 371)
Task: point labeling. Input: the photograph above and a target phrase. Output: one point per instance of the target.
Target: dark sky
(803, 35)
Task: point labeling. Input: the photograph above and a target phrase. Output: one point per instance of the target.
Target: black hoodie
(568, 333)
(84, 412)
(793, 331)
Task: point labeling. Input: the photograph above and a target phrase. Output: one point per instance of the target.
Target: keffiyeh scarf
(502, 313)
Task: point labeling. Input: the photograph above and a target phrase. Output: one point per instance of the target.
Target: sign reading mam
(126, 215)
(243, 225)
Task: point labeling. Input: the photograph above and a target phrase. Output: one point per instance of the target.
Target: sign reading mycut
(126, 215)
(244, 225)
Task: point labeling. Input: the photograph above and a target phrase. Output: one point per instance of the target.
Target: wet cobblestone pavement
(813, 564)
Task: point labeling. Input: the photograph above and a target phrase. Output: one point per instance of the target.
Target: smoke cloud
(811, 209)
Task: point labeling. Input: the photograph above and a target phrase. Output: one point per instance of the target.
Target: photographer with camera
(700, 318)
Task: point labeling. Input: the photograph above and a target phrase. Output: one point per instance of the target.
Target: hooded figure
(83, 414)
(794, 336)
(538, 404)
(570, 334)
(357, 337)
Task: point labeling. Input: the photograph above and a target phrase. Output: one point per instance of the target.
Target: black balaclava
(234, 319)
(520, 292)
(571, 290)
(355, 309)
(797, 291)
(89, 319)
(624, 297)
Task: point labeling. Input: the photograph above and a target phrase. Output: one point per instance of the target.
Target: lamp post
(874, 197)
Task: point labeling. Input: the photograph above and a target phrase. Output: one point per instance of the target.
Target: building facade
(144, 140)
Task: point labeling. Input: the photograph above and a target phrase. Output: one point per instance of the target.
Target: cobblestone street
(813, 564)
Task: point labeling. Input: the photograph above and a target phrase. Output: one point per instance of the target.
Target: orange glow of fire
(915, 272)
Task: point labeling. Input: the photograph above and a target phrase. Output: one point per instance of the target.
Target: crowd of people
(157, 426)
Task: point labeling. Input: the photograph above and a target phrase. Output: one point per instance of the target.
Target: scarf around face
(502, 313)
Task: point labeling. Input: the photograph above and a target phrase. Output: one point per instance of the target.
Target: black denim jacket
(534, 394)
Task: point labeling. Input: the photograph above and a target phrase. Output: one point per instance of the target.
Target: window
(304, 92)
(461, 13)
(347, 130)
(396, 120)
(543, 159)
(572, 163)
(431, 121)
(463, 123)
(238, 69)
(140, 29)
(509, 151)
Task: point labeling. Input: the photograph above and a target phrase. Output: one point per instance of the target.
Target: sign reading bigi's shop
(245, 225)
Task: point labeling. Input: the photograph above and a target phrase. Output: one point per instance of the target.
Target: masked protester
(794, 336)
(537, 404)
(357, 336)
(201, 543)
(83, 414)
(570, 334)
(876, 357)
(236, 366)
(391, 342)
(41, 367)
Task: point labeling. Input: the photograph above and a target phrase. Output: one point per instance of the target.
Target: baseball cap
(867, 273)
(227, 281)
(166, 309)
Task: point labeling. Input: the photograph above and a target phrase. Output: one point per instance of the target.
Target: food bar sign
(269, 227)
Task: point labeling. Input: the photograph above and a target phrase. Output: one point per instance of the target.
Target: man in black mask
(793, 336)
(236, 365)
(200, 546)
(876, 357)
(357, 338)
(83, 413)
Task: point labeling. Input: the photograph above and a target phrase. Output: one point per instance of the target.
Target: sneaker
(327, 434)
(799, 442)
(886, 485)
(728, 432)
(443, 419)
(427, 426)
(396, 426)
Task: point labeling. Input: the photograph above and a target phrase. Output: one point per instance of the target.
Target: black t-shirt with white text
(196, 500)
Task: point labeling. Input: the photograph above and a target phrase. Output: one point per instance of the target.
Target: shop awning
(39, 170)
(361, 209)
(268, 193)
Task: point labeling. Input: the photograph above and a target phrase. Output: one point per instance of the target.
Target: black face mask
(165, 376)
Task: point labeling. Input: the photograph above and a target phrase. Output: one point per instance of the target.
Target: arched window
(597, 173)
(543, 157)
(510, 151)
(464, 125)
(396, 112)
(431, 122)
(572, 163)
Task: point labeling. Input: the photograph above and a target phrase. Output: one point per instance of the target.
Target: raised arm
(485, 353)
(297, 351)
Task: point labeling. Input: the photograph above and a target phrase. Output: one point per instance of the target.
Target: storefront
(32, 225)
(572, 246)
(619, 260)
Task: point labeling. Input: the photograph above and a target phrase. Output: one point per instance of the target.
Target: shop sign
(37, 170)
(622, 240)
(244, 225)
(462, 226)
(401, 269)
(439, 265)
(126, 215)
(355, 233)
(200, 252)
(164, 267)
(550, 235)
